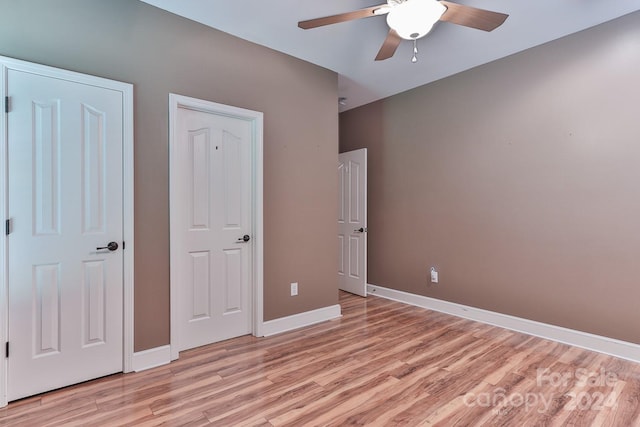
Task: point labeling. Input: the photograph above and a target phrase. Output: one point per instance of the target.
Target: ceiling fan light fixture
(413, 19)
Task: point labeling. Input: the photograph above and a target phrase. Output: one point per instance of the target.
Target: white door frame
(127, 170)
(256, 120)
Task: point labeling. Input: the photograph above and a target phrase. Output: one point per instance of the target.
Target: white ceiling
(349, 48)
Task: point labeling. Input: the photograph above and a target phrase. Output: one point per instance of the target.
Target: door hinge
(7, 227)
(6, 104)
(6, 349)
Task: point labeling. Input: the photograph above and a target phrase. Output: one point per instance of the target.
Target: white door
(352, 222)
(212, 237)
(65, 148)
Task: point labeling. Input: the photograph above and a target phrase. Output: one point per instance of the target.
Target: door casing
(256, 118)
(128, 285)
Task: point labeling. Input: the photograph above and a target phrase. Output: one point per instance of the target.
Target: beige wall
(159, 53)
(519, 180)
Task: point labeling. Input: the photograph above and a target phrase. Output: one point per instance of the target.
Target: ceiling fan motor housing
(413, 19)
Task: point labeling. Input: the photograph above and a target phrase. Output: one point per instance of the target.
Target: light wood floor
(383, 363)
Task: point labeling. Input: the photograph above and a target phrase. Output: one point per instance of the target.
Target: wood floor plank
(53, 414)
(334, 402)
(385, 404)
(383, 363)
(250, 412)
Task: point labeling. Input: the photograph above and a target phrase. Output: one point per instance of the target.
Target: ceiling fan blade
(471, 17)
(343, 17)
(389, 46)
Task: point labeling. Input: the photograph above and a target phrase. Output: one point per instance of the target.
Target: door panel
(94, 156)
(65, 143)
(94, 304)
(214, 172)
(233, 276)
(352, 222)
(355, 242)
(355, 198)
(200, 203)
(200, 295)
(46, 331)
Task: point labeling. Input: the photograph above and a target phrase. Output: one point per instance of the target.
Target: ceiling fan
(413, 19)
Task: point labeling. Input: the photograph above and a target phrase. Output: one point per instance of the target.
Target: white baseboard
(151, 358)
(610, 346)
(300, 320)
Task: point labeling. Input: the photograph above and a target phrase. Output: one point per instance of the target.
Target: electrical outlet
(294, 289)
(434, 275)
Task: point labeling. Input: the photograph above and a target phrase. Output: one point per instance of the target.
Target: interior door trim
(256, 119)
(128, 219)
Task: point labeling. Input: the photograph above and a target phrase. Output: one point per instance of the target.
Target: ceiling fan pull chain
(414, 59)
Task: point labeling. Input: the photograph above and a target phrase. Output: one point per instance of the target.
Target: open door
(352, 222)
